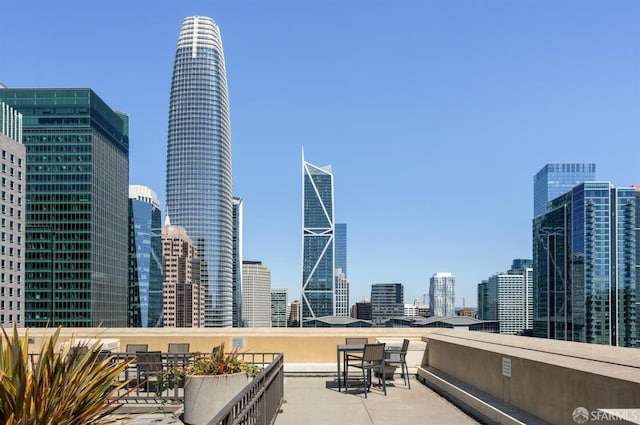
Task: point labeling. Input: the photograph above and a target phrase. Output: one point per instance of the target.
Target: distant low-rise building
(387, 301)
(279, 305)
(361, 310)
(293, 321)
(451, 322)
(336, 322)
(468, 312)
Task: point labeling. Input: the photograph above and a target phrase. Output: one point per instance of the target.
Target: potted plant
(211, 381)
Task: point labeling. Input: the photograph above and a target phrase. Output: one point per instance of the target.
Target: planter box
(206, 395)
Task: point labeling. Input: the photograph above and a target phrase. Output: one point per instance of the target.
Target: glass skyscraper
(442, 294)
(77, 188)
(555, 179)
(145, 258)
(318, 256)
(341, 247)
(584, 261)
(199, 161)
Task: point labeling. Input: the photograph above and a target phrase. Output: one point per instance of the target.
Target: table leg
(338, 363)
(344, 368)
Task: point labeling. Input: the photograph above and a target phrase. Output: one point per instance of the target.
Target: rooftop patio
(315, 400)
(500, 378)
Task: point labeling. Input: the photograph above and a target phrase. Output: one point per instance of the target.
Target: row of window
(12, 158)
(3, 224)
(10, 304)
(3, 290)
(2, 317)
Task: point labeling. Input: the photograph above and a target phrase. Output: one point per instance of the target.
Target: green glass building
(584, 264)
(77, 208)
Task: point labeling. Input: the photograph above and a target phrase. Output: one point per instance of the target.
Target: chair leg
(407, 375)
(384, 381)
(366, 385)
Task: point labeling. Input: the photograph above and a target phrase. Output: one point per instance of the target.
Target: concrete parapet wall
(299, 345)
(544, 378)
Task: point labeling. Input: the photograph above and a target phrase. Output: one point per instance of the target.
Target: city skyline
(434, 117)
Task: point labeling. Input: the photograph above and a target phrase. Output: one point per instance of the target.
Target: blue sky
(434, 115)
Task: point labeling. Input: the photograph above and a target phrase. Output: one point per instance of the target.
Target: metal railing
(260, 402)
(155, 383)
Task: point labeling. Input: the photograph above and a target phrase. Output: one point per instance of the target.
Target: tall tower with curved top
(199, 196)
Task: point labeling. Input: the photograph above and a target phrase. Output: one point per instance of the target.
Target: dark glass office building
(555, 179)
(341, 247)
(145, 258)
(387, 302)
(77, 209)
(199, 160)
(584, 261)
(318, 256)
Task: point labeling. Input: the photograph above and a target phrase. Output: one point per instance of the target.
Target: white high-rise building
(12, 246)
(256, 295)
(510, 300)
(237, 262)
(442, 294)
(342, 294)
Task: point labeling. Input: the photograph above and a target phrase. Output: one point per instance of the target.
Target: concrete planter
(206, 395)
(389, 371)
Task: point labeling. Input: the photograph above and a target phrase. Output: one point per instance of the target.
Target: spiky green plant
(67, 387)
(220, 363)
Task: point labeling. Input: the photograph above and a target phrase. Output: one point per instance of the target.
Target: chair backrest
(405, 346)
(356, 341)
(215, 350)
(373, 352)
(149, 361)
(134, 348)
(178, 347)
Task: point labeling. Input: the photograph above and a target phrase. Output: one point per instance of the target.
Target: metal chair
(178, 347)
(354, 357)
(372, 359)
(216, 349)
(356, 341)
(149, 367)
(134, 348)
(398, 357)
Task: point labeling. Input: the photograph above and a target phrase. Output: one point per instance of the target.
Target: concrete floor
(316, 401)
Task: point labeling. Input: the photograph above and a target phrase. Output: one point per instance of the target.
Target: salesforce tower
(199, 196)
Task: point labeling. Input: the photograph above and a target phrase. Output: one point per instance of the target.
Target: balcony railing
(152, 383)
(260, 401)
